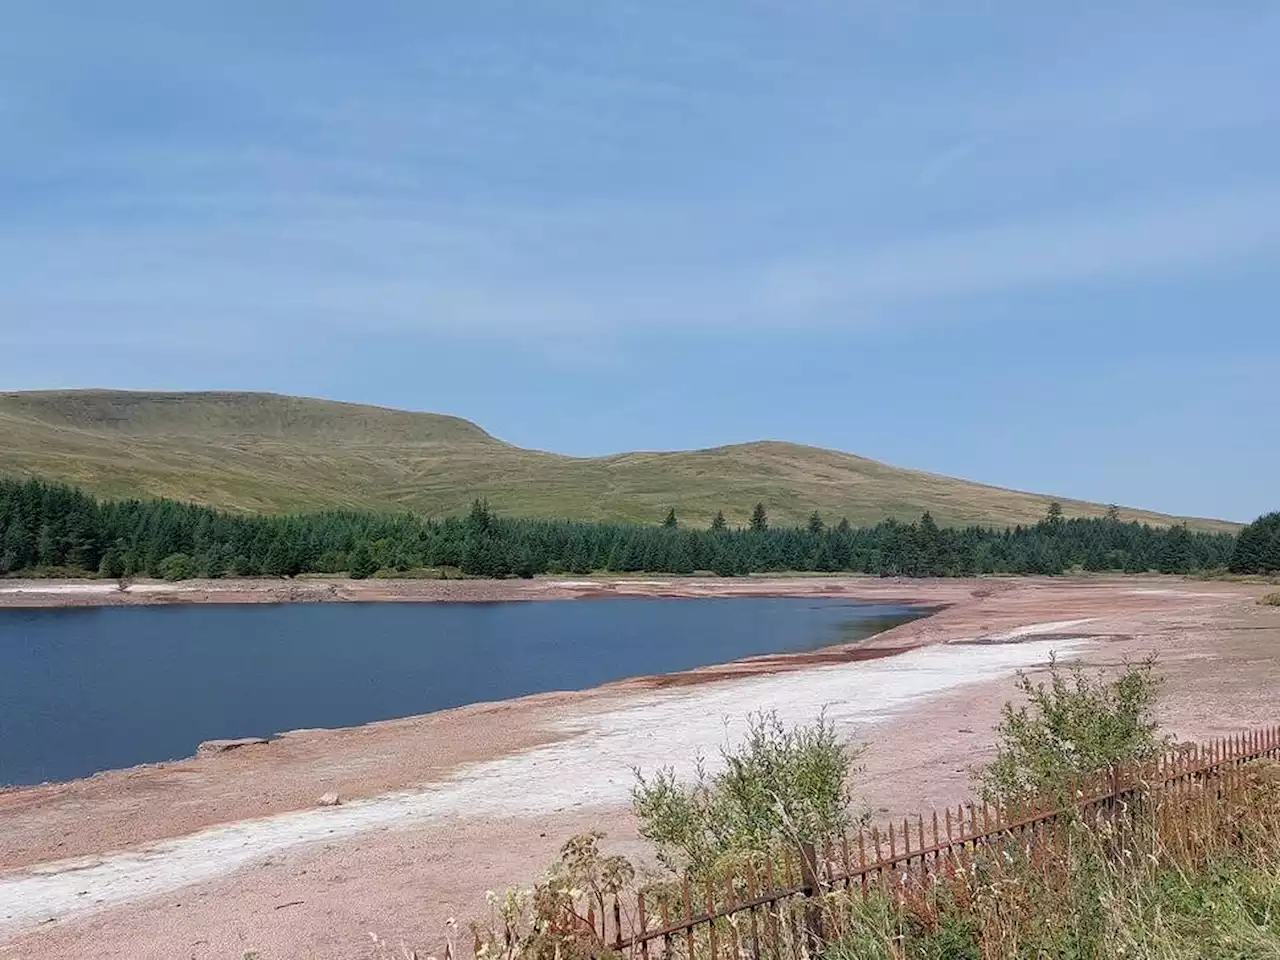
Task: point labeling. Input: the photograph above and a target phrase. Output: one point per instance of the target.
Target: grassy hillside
(263, 452)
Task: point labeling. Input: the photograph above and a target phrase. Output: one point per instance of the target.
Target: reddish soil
(1218, 650)
(316, 589)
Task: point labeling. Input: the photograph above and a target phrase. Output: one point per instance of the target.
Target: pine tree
(133, 563)
(759, 519)
(1175, 554)
(719, 524)
(680, 559)
(277, 562)
(17, 545)
(928, 555)
(216, 562)
(1053, 519)
(580, 562)
(671, 522)
(816, 526)
(361, 562)
(1271, 555)
(112, 565)
(1253, 549)
(525, 566)
(480, 519)
(724, 562)
(48, 548)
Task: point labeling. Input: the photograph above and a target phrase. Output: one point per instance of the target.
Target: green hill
(264, 452)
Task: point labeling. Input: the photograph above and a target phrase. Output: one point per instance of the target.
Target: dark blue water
(83, 690)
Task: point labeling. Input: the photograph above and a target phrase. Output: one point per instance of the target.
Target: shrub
(112, 565)
(176, 566)
(781, 786)
(1073, 726)
(331, 561)
(1270, 600)
(242, 566)
(548, 922)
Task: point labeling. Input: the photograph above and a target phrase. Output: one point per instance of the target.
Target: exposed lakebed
(89, 689)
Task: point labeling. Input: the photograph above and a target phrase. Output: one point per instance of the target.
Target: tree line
(1258, 547)
(56, 529)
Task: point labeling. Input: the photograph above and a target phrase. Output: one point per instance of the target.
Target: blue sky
(1030, 244)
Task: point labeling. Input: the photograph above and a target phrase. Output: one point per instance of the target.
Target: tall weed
(781, 786)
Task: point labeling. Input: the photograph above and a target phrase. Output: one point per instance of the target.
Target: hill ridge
(258, 451)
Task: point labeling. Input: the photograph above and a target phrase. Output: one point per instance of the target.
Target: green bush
(111, 566)
(176, 566)
(782, 786)
(1071, 727)
(331, 561)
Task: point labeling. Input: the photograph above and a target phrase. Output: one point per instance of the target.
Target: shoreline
(922, 592)
(929, 597)
(43, 594)
(932, 598)
(868, 648)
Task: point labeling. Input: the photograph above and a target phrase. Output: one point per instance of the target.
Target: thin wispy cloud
(1101, 246)
(325, 273)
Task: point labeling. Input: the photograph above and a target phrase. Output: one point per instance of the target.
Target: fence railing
(774, 901)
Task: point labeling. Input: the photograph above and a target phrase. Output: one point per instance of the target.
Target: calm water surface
(83, 690)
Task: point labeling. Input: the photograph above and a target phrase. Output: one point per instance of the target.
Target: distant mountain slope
(264, 452)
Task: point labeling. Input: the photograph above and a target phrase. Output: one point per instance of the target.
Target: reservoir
(90, 689)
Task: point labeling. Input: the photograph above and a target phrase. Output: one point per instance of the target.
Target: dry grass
(1270, 600)
(1195, 873)
(261, 452)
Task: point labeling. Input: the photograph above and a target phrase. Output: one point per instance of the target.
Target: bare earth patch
(231, 852)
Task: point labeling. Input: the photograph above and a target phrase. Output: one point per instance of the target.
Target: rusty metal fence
(770, 908)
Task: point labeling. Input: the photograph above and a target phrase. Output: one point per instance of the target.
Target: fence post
(812, 891)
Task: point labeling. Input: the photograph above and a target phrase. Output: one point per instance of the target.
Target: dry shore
(224, 854)
(317, 589)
